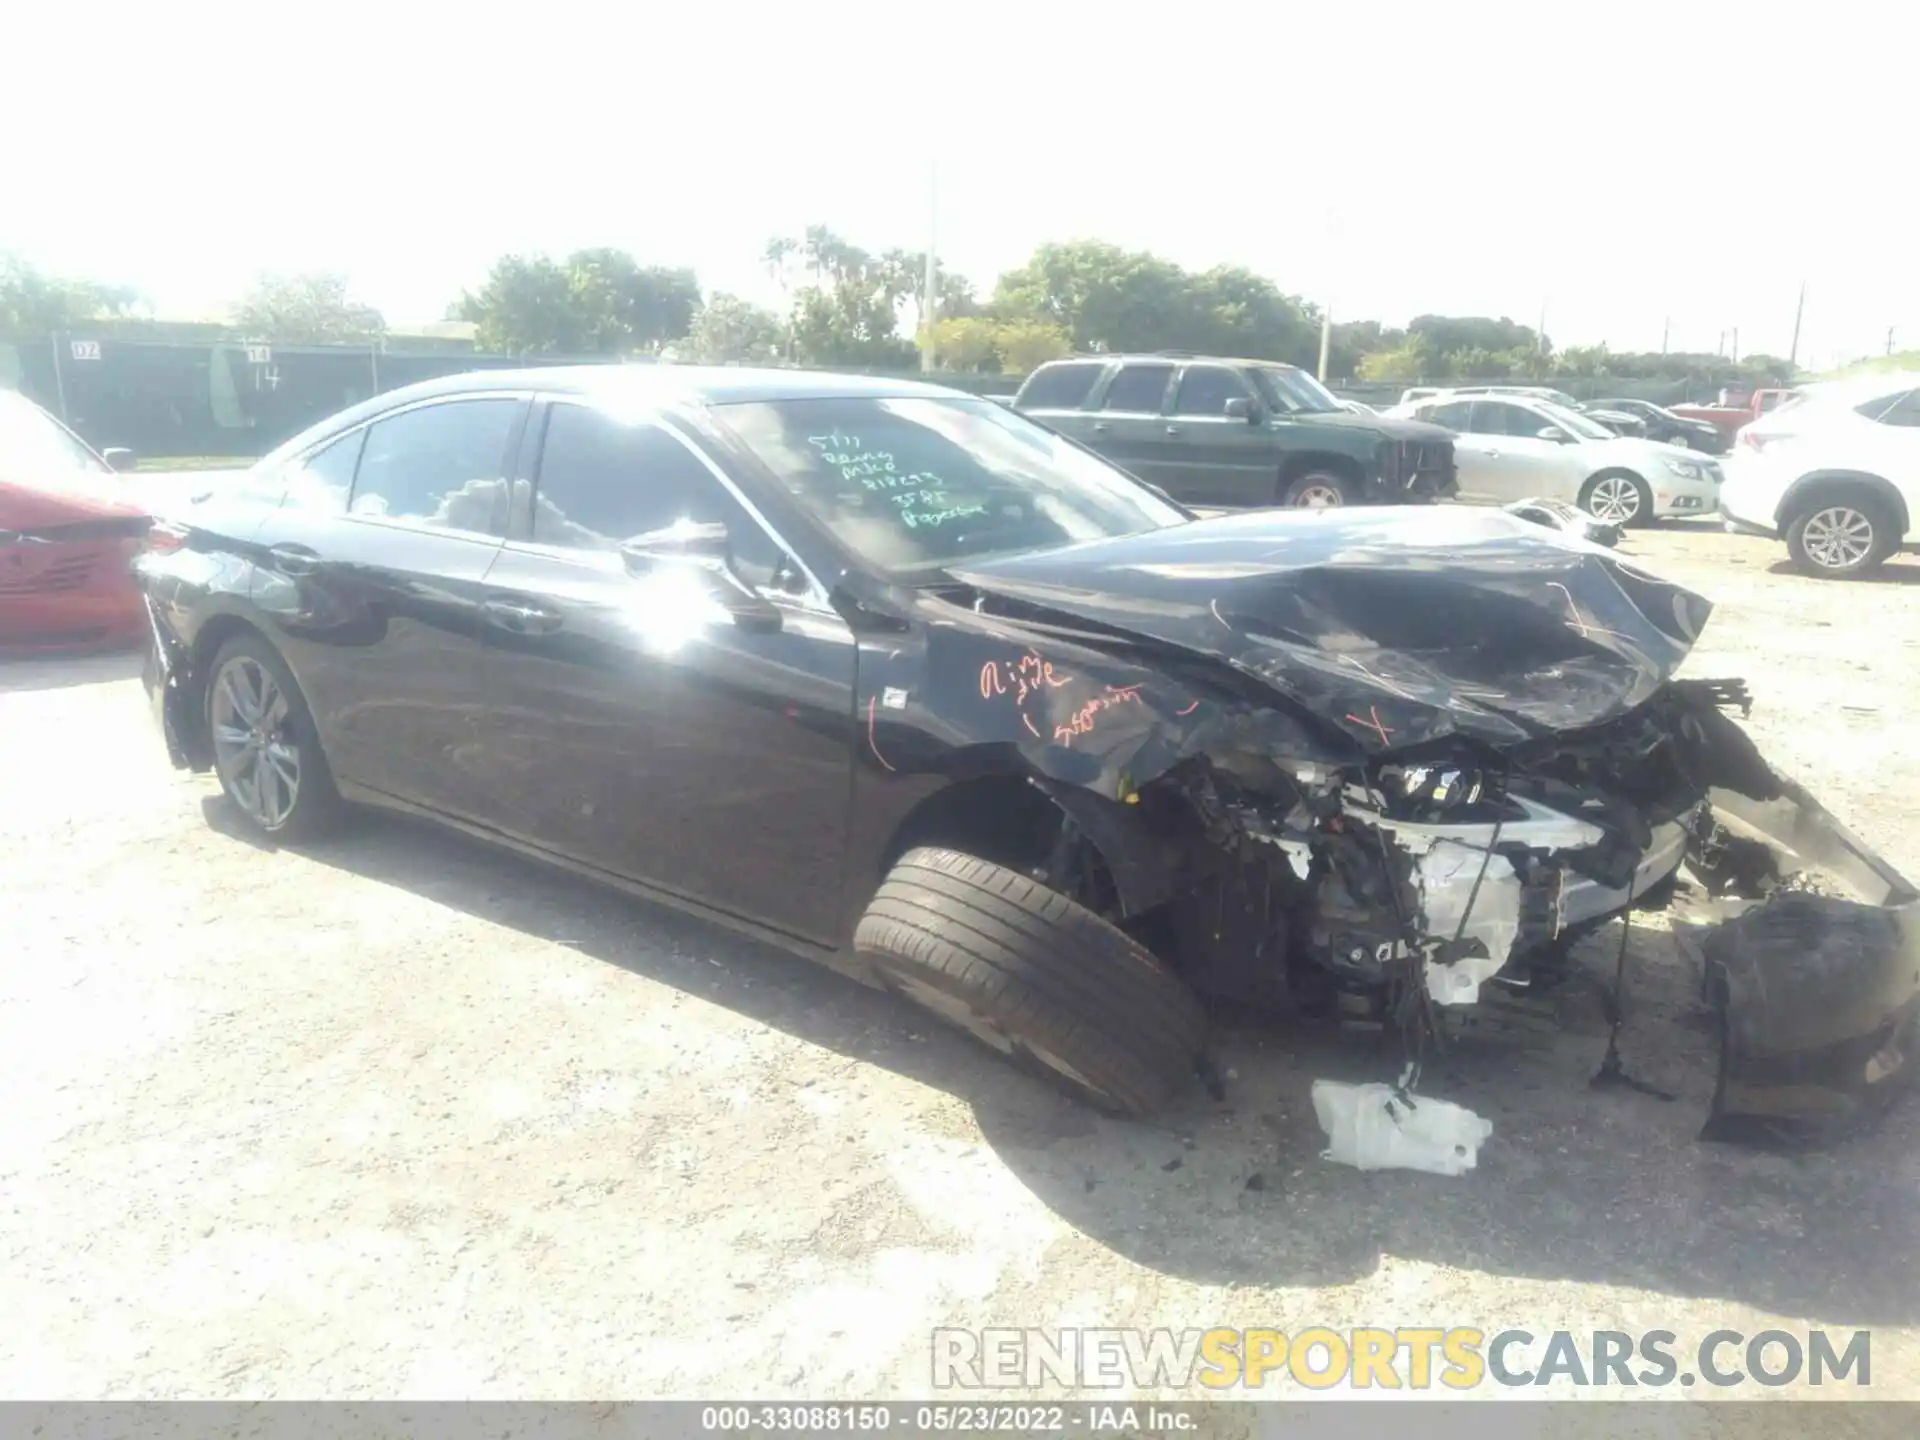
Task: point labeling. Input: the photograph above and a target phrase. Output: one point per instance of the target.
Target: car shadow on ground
(1892, 573)
(23, 670)
(1606, 1186)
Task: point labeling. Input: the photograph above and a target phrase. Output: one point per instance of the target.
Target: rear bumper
(55, 597)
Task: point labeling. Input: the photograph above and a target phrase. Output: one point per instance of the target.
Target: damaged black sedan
(894, 678)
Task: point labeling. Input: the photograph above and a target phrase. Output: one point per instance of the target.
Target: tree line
(845, 306)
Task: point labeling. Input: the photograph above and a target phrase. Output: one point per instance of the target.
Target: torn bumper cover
(1819, 997)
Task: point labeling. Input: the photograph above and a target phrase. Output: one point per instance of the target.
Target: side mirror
(1241, 408)
(704, 546)
(119, 458)
(1553, 433)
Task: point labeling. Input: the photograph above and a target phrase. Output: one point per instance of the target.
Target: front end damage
(1329, 798)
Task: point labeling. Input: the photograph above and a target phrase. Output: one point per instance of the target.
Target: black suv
(1213, 431)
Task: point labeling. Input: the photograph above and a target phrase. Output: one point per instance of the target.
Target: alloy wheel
(253, 745)
(1837, 538)
(1615, 498)
(1319, 496)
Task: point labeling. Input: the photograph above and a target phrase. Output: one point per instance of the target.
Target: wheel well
(1809, 490)
(1345, 466)
(1002, 818)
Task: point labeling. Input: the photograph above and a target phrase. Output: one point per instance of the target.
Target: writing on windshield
(921, 497)
(913, 483)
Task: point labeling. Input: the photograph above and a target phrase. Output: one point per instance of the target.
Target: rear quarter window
(1059, 387)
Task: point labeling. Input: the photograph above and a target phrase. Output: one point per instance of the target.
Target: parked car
(891, 677)
(1513, 447)
(1836, 475)
(1222, 432)
(68, 529)
(1737, 407)
(1670, 429)
(1620, 422)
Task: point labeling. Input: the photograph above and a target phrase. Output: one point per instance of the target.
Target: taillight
(1758, 442)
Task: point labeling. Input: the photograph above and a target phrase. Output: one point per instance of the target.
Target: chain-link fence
(232, 399)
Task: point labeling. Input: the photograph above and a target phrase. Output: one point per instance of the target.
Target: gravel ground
(403, 1117)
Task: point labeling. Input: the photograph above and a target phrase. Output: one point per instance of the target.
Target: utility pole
(1666, 328)
(1326, 340)
(930, 300)
(1540, 335)
(1793, 350)
(1736, 344)
(1889, 339)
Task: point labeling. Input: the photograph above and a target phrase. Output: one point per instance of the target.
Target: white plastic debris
(1370, 1127)
(1449, 874)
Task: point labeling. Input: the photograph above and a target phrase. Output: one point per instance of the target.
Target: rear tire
(1044, 982)
(1619, 497)
(1316, 490)
(266, 752)
(1842, 536)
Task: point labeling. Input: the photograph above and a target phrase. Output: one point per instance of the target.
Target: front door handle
(1173, 429)
(1100, 427)
(295, 559)
(519, 616)
(1491, 454)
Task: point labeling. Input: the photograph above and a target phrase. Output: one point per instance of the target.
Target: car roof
(1168, 357)
(675, 384)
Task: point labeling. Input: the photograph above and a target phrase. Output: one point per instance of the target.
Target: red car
(68, 533)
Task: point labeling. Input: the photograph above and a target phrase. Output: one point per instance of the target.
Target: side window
(1495, 417)
(1894, 409)
(323, 478)
(1138, 387)
(1456, 415)
(602, 481)
(1205, 390)
(439, 465)
(1059, 387)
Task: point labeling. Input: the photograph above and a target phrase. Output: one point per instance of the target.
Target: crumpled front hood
(1396, 625)
(1390, 426)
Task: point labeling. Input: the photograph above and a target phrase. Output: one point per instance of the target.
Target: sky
(1629, 168)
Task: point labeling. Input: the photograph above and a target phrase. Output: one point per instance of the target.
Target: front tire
(266, 751)
(1618, 497)
(1316, 490)
(1035, 977)
(1842, 537)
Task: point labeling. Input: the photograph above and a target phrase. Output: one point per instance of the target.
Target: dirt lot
(403, 1116)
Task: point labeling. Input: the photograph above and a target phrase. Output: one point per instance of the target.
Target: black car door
(369, 577)
(1220, 459)
(1128, 427)
(641, 725)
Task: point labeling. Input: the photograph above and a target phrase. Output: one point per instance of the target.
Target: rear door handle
(519, 617)
(295, 559)
(1100, 427)
(1173, 429)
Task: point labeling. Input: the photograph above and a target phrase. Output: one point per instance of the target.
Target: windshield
(1576, 422)
(912, 485)
(1295, 392)
(34, 446)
